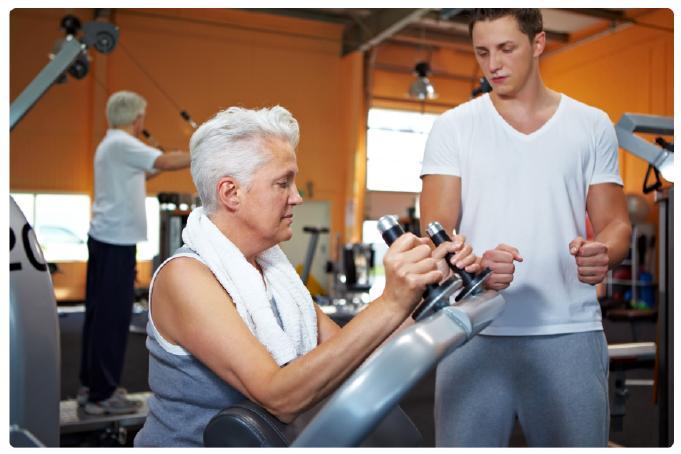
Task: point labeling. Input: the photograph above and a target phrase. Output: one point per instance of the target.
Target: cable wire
(146, 73)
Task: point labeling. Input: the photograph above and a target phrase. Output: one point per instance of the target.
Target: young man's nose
(494, 62)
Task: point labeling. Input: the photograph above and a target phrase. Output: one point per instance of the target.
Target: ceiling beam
(436, 35)
(448, 13)
(437, 39)
(300, 13)
(560, 37)
(434, 38)
(462, 17)
(377, 27)
(598, 13)
(412, 43)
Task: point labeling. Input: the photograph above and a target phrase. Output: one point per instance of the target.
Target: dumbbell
(471, 284)
(435, 297)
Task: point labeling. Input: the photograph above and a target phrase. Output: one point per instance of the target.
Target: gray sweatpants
(556, 385)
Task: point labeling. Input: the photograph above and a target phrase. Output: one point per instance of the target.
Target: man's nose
(494, 62)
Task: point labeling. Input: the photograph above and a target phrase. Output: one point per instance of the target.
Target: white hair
(231, 144)
(123, 107)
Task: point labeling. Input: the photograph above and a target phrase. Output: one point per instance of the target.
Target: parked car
(60, 244)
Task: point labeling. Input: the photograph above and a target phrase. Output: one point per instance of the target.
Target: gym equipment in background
(34, 332)
(247, 425)
(174, 209)
(660, 157)
(182, 112)
(34, 340)
(484, 87)
(357, 262)
(71, 57)
(311, 249)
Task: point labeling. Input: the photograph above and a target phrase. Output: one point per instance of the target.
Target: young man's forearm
(617, 236)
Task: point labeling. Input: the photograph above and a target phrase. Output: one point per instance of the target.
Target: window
(26, 203)
(396, 141)
(371, 235)
(146, 250)
(395, 144)
(61, 223)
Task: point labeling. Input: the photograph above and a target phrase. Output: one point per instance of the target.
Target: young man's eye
(283, 184)
(482, 54)
(508, 50)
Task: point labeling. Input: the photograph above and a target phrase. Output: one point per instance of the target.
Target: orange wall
(50, 149)
(210, 59)
(206, 60)
(631, 70)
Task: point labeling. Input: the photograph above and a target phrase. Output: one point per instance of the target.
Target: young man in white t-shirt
(122, 164)
(517, 171)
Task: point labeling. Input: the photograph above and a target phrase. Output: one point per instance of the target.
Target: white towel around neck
(245, 286)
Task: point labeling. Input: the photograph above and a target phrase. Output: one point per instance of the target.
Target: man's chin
(505, 92)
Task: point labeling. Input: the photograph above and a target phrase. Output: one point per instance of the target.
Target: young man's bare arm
(607, 209)
(440, 201)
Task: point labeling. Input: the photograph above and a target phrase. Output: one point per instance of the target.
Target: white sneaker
(82, 396)
(84, 393)
(117, 404)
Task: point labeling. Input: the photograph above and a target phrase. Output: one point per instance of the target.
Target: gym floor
(639, 425)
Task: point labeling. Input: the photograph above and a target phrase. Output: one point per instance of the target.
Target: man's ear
(228, 192)
(538, 44)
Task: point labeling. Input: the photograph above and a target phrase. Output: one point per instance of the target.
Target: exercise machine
(311, 249)
(364, 410)
(34, 330)
(71, 58)
(34, 340)
(660, 159)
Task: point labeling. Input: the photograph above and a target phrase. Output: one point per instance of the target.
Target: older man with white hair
(122, 163)
(229, 318)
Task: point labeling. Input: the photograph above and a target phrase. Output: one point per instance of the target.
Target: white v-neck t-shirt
(529, 191)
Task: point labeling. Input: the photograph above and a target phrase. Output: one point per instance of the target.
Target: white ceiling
(567, 22)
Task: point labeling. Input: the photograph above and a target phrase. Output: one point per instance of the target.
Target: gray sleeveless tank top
(185, 393)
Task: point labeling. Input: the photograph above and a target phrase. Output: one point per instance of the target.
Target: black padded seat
(249, 425)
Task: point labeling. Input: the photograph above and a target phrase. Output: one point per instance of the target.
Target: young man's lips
(498, 79)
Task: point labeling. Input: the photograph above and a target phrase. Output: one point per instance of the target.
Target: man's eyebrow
(498, 45)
